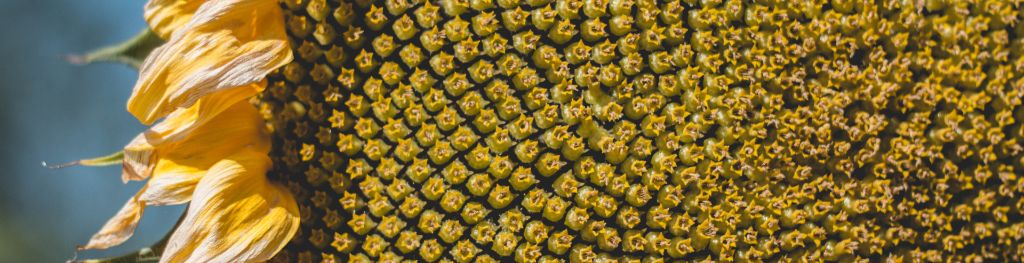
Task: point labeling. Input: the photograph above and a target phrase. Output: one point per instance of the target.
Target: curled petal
(236, 215)
(196, 137)
(177, 165)
(120, 227)
(227, 44)
(167, 16)
(181, 122)
(138, 159)
(172, 184)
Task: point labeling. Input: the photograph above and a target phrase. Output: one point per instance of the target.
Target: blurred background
(53, 111)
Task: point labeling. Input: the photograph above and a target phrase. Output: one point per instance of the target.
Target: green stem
(131, 52)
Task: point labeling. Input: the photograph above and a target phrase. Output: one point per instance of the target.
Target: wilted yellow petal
(181, 122)
(138, 159)
(120, 227)
(227, 45)
(172, 135)
(236, 215)
(172, 184)
(178, 165)
(177, 171)
(167, 16)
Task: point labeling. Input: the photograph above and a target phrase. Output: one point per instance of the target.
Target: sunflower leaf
(111, 159)
(130, 52)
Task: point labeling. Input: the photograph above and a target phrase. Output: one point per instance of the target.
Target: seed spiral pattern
(651, 130)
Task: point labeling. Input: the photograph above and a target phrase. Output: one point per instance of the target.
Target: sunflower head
(581, 130)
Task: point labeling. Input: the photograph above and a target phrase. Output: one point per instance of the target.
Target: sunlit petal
(236, 215)
(120, 227)
(196, 136)
(227, 45)
(167, 16)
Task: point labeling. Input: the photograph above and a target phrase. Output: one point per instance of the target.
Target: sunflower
(582, 130)
(209, 148)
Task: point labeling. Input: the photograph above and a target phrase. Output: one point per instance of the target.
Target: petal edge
(228, 44)
(120, 227)
(236, 215)
(166, 16)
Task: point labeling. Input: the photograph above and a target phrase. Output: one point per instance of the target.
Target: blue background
(56, 112)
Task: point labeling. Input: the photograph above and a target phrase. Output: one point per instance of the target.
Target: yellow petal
(181, 122)
(120, 227)
(236, 215)
(172, 184)
(177, 174)
(138, 159)
(228, 44)
(225, 118)
(178, 153)
(167, 16)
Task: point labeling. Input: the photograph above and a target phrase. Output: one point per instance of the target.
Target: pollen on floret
(647, 130)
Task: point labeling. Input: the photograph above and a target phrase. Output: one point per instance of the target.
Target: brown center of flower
(437, 130)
